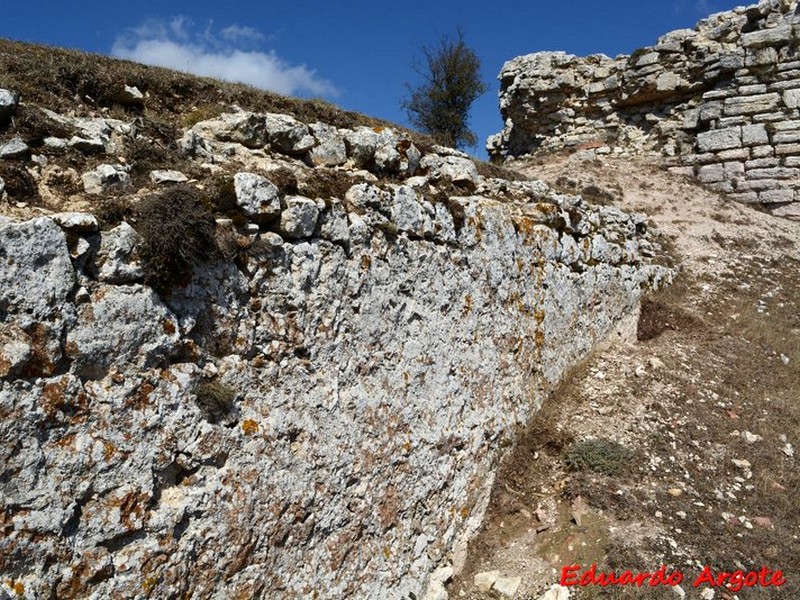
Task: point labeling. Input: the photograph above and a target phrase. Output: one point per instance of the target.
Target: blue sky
(357, 54)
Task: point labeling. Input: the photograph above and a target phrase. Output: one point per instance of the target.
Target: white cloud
(173, 44)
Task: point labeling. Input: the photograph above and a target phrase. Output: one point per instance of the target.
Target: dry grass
(55, 78)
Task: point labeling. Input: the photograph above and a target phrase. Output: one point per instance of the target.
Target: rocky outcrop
(319, 409)
(722, 100)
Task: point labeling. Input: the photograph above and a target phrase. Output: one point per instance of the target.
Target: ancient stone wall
(320, 415)
(722, 100)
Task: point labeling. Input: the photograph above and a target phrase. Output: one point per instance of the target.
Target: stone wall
(380, 345)
(721, 99)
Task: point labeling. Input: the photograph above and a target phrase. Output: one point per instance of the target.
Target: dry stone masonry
(722, 99)
(321, 416)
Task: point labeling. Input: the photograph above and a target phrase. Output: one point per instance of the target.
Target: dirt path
(679, 449)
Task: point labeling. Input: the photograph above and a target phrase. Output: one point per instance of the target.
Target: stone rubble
(722, 101)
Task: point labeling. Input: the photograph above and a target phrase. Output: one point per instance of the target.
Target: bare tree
(440, 105)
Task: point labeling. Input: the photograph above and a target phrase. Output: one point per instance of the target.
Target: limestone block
(719, 139)
(786, 137)
(776, 196)
(754, 135)
(775, 173)
(330, 150)
(245, 128)
(767, 37)
(791, 98)
(735, 154)
(288, 135)
(299, 219)
(106, 178)
(762, 151)
(711, 173)
(117, 260)
(748, 105)
(256, 196)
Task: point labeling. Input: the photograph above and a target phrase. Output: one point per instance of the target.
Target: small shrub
(177, 235)
(214, 399)
(599, 455)
(113, 211)
(202, 113)
(20, 184)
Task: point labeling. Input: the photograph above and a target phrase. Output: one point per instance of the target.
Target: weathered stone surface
(159, 177)
(753, 135)
(330, 150)
(245, 128)
(35, 283)
(719, 139)
(126, 326)
(288, 135)
(106, 178)
(791, 98)
(299, 219)
(14, 148)
(8, 103)
(76, 222)
(117, 259)
(256, 196)
(461, 171)
(91, 145)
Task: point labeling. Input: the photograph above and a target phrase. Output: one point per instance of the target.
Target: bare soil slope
(681, 447)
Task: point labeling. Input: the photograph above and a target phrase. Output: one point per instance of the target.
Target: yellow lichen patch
(387, 552)
(464, 512)
(19, 589)
(148, 584)
(249, 427)
(467, 305)
(378, 129)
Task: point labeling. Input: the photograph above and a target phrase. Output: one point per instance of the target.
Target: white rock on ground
(8, 103)
(158, 177)
(14, 148)
(106, 178)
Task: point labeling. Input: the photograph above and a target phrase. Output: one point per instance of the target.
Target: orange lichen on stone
(249, 427)
(366, 262)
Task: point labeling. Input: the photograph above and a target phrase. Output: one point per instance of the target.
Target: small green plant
(599, 455)
(214, 399)
(178, 233)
